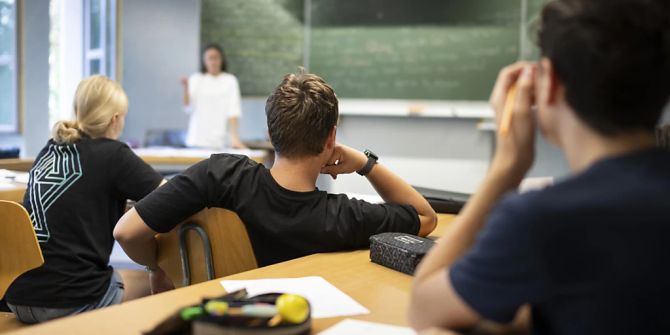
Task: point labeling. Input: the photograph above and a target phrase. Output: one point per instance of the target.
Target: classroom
(334, 167)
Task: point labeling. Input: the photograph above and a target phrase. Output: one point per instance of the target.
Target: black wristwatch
(372, 160)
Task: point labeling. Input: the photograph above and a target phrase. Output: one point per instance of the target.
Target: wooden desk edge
(86, 323)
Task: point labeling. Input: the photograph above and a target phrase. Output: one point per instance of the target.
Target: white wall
(160, 43)
(35, 59)
(71, 59)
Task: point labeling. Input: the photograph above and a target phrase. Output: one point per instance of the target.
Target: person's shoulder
(105, 145)
(195, 76)
(547, 199)
(231, 158)
(229, 77)
(227, 163)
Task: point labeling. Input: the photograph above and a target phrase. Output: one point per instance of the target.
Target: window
(100, 37)
(8, 80)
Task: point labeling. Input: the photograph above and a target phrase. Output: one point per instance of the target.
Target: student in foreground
(77, 191)
(286, 216)
(588, 255)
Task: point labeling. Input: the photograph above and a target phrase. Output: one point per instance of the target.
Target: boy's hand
(159, 281)
(184, 81)
(515, 151)
(344, 160)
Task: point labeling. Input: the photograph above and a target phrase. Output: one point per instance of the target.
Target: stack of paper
(326, 300)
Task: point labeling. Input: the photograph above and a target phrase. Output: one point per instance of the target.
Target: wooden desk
(383, 291)
(12, 192)
(16, 164)
(9, 322)
(177, 160)
(161, 159)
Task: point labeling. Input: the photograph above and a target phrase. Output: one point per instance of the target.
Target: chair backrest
(165, 138)
(231, 250)
(19, 249)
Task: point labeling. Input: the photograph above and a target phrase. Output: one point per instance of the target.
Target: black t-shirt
(282, 224)
(75, 196)
(590, 254)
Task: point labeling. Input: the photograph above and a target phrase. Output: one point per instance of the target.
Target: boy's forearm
(142, 251)
(461, 235)
(137, 239)
(395, 190)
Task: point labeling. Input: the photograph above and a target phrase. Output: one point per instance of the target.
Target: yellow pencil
(506, 121)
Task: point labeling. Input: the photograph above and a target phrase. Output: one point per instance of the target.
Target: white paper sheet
(356, 327)
(7, 186)
(193, 152)
(8, 176)
(325, 299)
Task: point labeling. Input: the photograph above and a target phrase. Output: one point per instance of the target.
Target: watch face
(370, 154)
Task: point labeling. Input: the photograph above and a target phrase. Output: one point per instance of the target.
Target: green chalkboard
(399, 49)
(262, 39)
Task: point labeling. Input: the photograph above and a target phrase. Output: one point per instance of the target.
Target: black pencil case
(398, 251)
(206, 324)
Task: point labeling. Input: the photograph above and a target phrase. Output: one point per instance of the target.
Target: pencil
(506, 121)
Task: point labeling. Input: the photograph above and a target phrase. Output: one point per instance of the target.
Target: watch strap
(372, 160)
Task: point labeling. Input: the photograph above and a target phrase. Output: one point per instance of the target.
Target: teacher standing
(212, 98)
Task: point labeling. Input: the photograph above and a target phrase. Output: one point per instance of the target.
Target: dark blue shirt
(589, 254)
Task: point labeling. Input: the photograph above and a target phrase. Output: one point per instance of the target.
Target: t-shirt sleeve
(365, 219)
(172, 203)
(210, 183)
(235, 105)
(133, 178)
(501, 272)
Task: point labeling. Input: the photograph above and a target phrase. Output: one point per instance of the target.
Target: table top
(383, 291)
(160, 158)
(12, 191)
(17, 164)
(190, 156)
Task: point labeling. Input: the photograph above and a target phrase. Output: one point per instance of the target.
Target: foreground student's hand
(344, 160)
(159, 281)
(515, 150)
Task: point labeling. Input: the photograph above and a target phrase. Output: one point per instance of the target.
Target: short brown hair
(301, 112)
(613, 57)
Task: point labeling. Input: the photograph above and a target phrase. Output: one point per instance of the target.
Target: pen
(506, 121)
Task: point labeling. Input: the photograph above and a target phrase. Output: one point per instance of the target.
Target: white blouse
(213, 100)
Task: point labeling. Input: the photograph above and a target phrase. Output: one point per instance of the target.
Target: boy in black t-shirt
(285, 215)
(589, 254)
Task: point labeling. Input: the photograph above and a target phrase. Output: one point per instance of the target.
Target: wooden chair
(19, 251)
(211, 244)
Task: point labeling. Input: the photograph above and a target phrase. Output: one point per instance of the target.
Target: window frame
(12, 60)
(105, 53)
